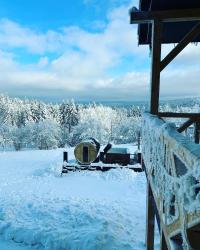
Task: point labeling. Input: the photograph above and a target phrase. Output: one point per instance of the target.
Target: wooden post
(155, 68)
(139, 140)
(150, 219)
(197, 131)
(163, 244)
(154, 107)
(65, 156)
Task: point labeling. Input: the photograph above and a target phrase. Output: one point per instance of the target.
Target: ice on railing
(172, 163)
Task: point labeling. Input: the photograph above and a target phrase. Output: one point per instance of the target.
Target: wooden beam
(155, 68)
(163, 244)
(153, 200)
(179, 47)
(179, 115)
(185, 125)
(178, 15)
(197, 132)
(150, 219)
(194, 236)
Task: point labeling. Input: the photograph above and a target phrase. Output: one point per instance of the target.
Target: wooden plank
(185, 125)
(163, 244)
(65, 156)
(197, 132)
(137, 16)
(155, 68)
(150, 219)
(179, 115)
(179, 47)
(194, 237)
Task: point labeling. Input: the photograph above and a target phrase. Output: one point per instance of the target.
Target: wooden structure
(171, 161)
(86, 151)
(87, 158)
(120, 156)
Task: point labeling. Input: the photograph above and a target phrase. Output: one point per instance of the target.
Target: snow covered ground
(79, 211)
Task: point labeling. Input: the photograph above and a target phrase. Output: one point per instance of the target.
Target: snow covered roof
(168, 4)
(173, 32)
(116, 150)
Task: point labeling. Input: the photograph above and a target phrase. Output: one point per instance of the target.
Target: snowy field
(80, 211)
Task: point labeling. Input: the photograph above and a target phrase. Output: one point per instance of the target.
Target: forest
(35, 124)
(32, 124)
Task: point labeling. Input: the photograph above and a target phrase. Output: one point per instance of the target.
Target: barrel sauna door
(85, 153)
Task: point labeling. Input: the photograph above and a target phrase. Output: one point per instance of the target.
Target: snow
(10, 245)
(81, 210)
(175, 183)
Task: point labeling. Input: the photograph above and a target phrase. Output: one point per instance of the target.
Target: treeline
(35, 124)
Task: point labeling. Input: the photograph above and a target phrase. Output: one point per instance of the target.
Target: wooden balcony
(172, 165)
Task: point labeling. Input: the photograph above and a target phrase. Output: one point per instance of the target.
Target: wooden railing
(172, 166)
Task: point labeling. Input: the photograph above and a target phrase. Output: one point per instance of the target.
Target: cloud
(84, 60)
(43, 62)
(13, 35)
(180, 82)
(85, 57)
(189, 56)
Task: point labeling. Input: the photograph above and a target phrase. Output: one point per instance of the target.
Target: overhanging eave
(139, 17)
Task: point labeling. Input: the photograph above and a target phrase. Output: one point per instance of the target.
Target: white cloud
(13, 35)
(43, 62)
(189, 55)
(82, 69)
(181, 81)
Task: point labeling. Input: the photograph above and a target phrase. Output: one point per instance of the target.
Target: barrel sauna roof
(172, 32)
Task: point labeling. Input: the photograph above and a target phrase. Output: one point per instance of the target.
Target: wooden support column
(197, 131)
(150, 219)
(163, 244)
(154, 107)
(155, 68)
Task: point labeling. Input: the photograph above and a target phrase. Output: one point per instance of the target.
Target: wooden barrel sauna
(87, 151)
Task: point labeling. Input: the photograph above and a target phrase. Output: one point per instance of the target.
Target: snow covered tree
(38, 111)
(21, 137)
(53, 112)
(6, 136)
(68, 119)
(44, 134)
(5, 114)
(95, 121)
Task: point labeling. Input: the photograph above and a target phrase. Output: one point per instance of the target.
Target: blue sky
(54, 14)
(81, 49)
